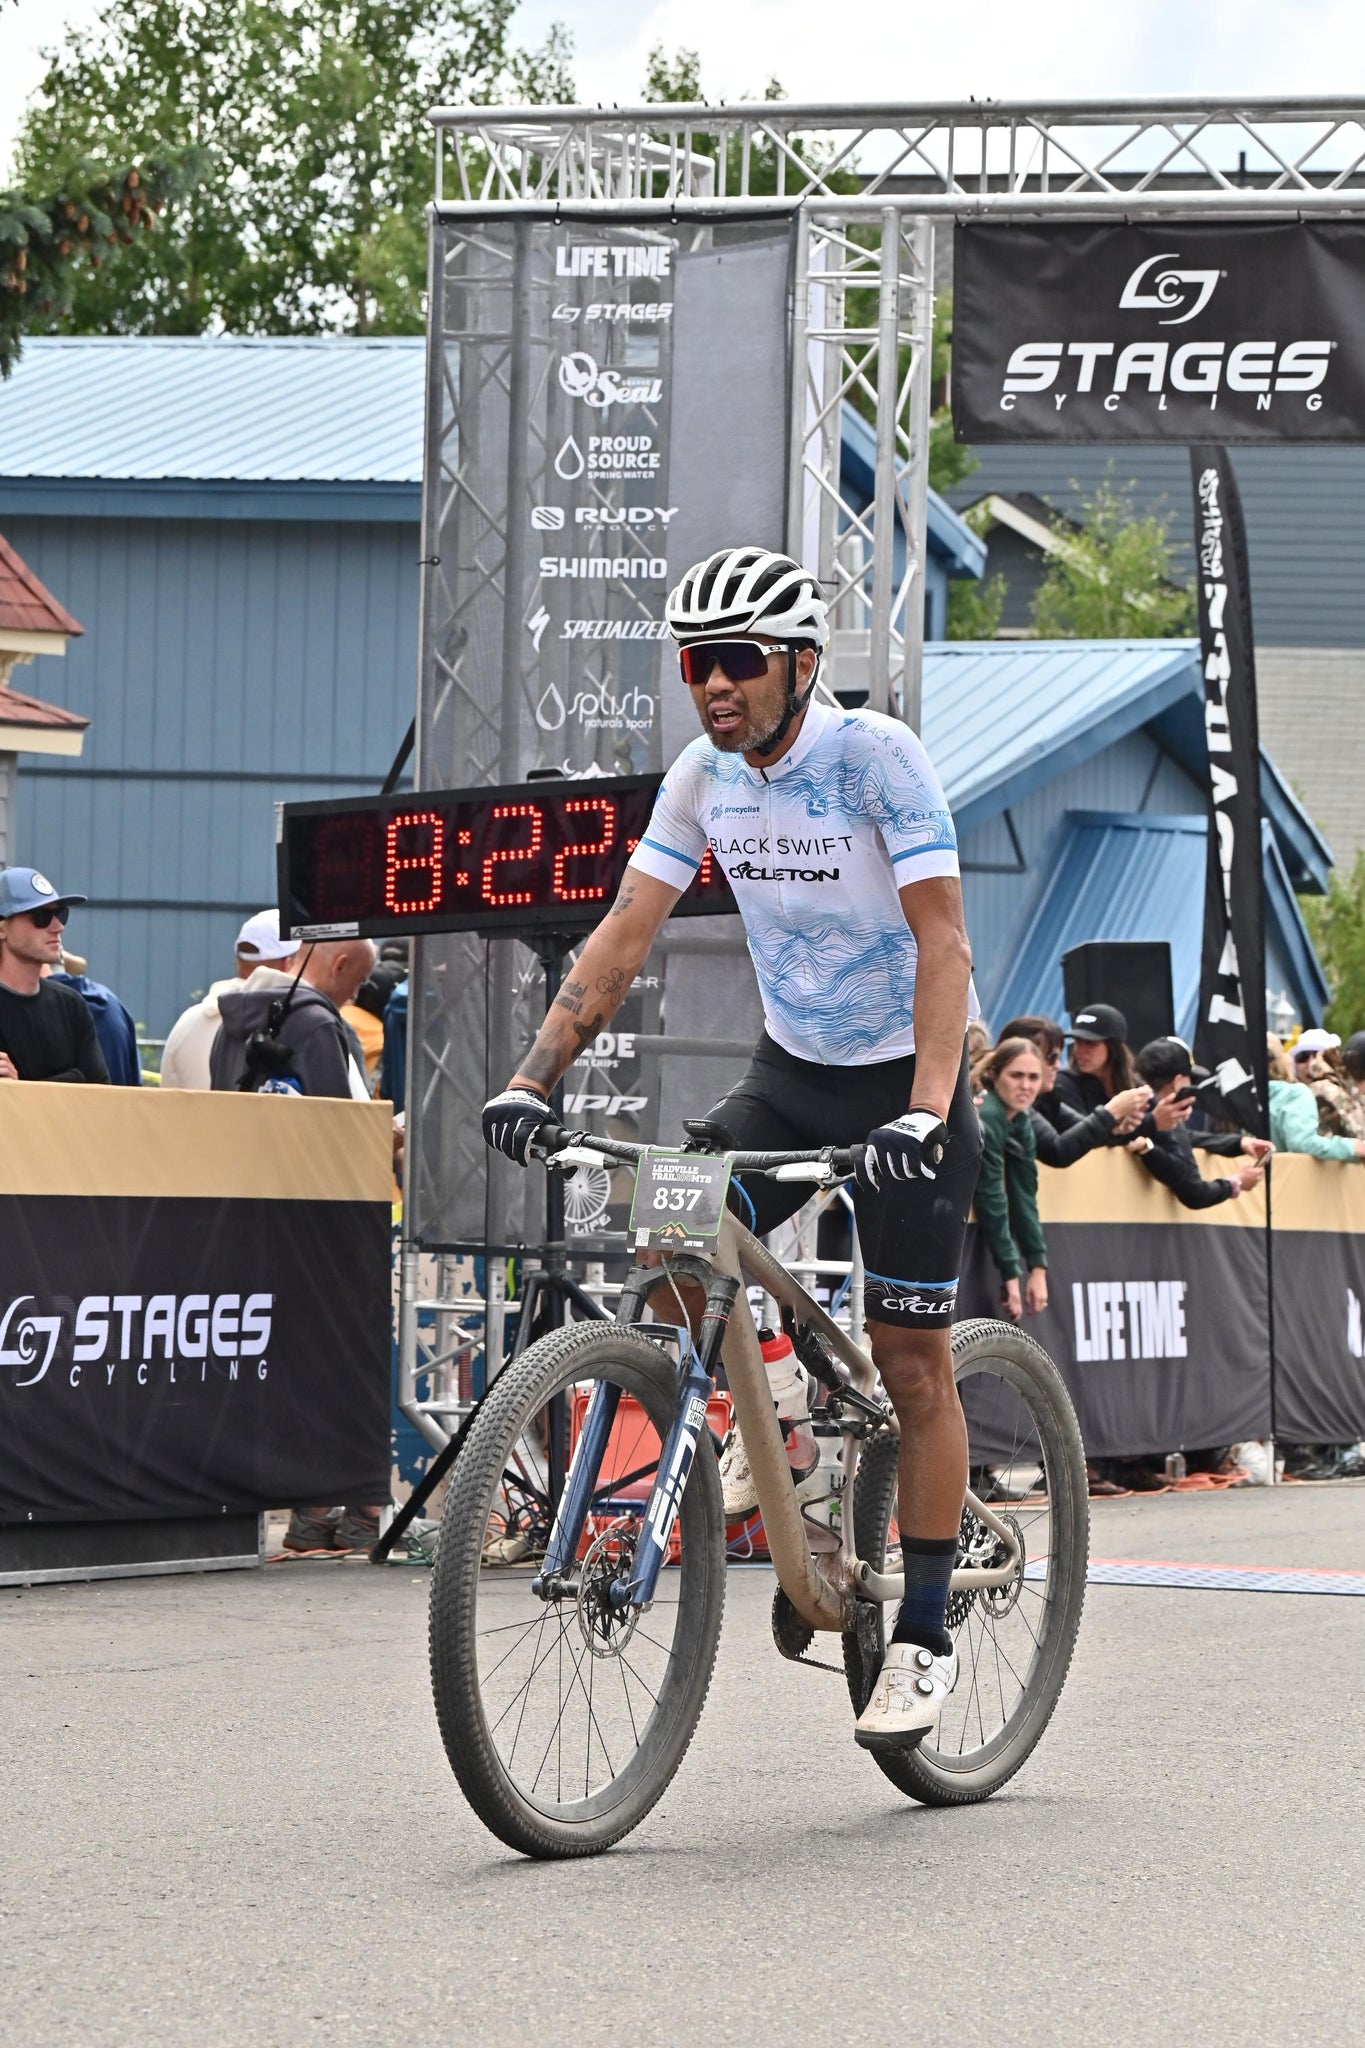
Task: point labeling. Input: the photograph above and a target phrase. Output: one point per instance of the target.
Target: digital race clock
(537, 856)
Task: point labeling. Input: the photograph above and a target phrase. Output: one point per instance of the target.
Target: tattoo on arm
(584, 1034)
(613, 984)
(625, 898)
(571, 996)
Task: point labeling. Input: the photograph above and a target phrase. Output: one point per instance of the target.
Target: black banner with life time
(186, 1356)
(1160, 1333)
(1165, 331)
(1231, 1033)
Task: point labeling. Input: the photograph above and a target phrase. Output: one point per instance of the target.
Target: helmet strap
(795, 706)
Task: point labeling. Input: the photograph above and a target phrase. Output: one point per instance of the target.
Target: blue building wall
(227, 665)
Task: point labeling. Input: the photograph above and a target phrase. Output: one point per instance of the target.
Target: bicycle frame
(823, 1600)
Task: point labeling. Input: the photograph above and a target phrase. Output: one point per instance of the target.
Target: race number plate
(679, 1201)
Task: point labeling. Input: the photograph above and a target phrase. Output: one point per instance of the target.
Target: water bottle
(788, 1381)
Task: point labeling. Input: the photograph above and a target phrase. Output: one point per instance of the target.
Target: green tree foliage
(53, 245)
(1336, 925)
(1112, 577)
(311, 115)
(676, 80)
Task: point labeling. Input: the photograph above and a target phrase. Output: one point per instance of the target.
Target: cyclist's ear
(805, 666)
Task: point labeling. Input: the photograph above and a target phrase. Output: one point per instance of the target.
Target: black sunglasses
(743, 661)
(41, 919)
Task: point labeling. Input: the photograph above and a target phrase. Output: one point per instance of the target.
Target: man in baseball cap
(263, 959)
(1168, 1067)
(46, 1030)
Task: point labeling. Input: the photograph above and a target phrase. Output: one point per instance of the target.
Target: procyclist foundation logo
(158, 1339)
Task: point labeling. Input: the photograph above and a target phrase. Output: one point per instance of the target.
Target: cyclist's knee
(916, 1366)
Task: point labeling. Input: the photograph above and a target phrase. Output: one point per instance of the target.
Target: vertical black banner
(1231, 1034)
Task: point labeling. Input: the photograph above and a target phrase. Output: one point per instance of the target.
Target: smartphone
(1186, 1094)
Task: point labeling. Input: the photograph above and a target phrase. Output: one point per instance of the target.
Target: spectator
(1294, 1113)
(46, 1031)
(114, 1027)
(1318, 1063)
(365, 1015)
(393, 1070)
(262, 960)
(1006, 1201)
(1168, 1066)
(979, 1040)
(1101, 1064)
(295, 1040)
(1060, 1132)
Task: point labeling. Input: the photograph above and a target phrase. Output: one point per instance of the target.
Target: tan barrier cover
(1114, 1187)
(61, 1138)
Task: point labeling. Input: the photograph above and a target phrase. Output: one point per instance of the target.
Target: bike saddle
(705, 1135)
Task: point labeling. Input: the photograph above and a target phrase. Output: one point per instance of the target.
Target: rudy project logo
(547, 518)
(580, 376)
(129, 1333)
(1169, 289)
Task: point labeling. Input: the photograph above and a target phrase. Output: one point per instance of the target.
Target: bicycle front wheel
(1015, 1641)
(564, 1720)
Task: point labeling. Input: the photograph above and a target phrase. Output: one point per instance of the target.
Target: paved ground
(227, 1820)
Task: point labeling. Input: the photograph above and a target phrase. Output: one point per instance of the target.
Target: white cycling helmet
(748, 590)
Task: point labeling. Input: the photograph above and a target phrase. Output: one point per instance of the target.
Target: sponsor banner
(1231, 1032)
(175, 1356)
(1164, 331)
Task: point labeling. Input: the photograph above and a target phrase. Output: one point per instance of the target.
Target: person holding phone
(1167, 1066)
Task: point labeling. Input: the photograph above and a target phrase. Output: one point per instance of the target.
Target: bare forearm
(940, 1026)
(598, 982)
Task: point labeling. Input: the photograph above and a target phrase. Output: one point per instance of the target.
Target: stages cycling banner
(1165, 331)
(1231, 1032)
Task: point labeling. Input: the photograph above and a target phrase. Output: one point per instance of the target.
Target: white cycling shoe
(908, 1698)
(739, 1496)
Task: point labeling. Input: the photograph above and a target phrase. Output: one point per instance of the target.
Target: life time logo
(1129, 1319)
(1199, 368)
(581, 376)
(614, 259)
(174, 1338)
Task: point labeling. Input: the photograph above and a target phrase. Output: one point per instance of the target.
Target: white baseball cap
(1316, 1040)
(259, 938)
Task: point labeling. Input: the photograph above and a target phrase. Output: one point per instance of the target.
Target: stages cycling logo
(127, 1335)
(581, 377)
(1167, 290)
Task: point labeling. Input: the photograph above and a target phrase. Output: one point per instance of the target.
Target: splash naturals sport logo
(28, 1341)
(1167, 289)
(131, 1336)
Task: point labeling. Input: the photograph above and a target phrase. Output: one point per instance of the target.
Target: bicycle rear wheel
(565, 1720)
(1015, 1641)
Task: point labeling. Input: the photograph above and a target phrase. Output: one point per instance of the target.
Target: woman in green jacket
(1294, 1113)
(1007, 1189)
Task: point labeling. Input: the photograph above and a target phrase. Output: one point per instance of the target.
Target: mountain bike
(579, 1583)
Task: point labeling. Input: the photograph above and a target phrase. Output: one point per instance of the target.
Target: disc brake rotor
(604, 1628)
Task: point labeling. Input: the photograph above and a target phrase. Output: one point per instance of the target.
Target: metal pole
(800, 346)
(915, 482)
(1270, 1325)
(880, 693)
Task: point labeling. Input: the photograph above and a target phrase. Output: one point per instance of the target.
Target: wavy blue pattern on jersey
(833, 985)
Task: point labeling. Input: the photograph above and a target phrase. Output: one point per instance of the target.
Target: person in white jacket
(264, 960)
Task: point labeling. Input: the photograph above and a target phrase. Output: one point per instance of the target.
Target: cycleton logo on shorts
(902, 1298)
(580, 376)
(1129, 1319)
(170, 1337)
(1168, 289)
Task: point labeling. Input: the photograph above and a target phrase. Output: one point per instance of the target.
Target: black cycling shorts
(911, 1232)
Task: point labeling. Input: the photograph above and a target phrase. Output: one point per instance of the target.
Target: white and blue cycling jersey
(815, 848)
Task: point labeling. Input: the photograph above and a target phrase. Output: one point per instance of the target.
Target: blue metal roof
(1003, 717)
(962, 551)
(227, 408)
(1116, 875)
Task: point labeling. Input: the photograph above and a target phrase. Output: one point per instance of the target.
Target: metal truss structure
(866, 186)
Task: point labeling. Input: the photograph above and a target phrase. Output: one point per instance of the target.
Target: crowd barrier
(1159, 1316)
(194, 1319)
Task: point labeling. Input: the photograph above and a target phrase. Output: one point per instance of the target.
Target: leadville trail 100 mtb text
(580, 1576)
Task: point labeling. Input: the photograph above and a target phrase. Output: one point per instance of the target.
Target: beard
(753, 731)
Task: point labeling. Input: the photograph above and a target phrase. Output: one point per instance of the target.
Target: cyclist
(836, 837)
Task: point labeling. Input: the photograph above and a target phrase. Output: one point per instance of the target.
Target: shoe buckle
(925, 1686)
(924, 1658)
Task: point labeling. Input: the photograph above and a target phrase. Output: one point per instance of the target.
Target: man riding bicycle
(835, 835)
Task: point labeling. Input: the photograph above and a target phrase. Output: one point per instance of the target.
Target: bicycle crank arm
(967, 1578)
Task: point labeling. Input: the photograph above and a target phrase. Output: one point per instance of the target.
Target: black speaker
(1132, 974)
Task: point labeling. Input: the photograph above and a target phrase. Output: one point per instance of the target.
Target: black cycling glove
(514, 1120)
(911, 1148)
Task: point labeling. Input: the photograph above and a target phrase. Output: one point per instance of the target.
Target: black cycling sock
(929, 1562)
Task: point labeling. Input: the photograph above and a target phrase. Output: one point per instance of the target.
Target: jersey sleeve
(910, 807)
(675, 839)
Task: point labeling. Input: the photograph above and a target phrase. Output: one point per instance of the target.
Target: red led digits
(585, 846)
(507, 897)
(462, 878)
(396, 863)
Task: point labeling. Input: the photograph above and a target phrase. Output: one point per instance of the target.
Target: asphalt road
(228, 1820)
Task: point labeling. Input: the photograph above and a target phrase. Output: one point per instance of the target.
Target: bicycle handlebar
(556, 1139)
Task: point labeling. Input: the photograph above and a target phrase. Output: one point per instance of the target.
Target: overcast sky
(891, 49)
